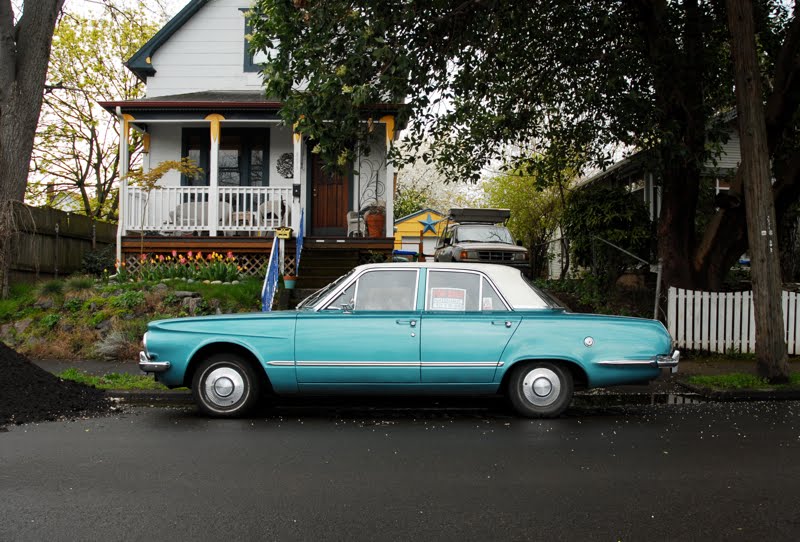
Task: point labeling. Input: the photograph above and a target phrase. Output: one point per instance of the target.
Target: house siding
(206, 53)
(165, 145)
(730, 157)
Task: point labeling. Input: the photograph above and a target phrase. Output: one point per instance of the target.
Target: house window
(252, 62)
(242, 158)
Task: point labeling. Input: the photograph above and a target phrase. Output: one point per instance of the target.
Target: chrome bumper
(669, 361)
(660, 361)
(148, 366)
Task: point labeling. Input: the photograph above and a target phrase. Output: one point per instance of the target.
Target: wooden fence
(724, 321)
(50, 242)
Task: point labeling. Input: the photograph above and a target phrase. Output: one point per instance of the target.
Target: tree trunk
(762, 229)
(24, 54)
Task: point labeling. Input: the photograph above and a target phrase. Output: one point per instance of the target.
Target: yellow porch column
(388, 121)
(213, 174)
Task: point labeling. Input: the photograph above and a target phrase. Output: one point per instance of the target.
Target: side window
(490, 299)
(389, 290)
(347, 297)
(451, 291)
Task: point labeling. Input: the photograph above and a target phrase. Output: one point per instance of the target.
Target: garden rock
(160, 287)
(191, 304)
(22, 325)
(181, 294)
(105, 325)
(44, 304)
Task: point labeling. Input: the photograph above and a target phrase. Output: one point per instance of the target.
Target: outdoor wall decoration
(285, 165)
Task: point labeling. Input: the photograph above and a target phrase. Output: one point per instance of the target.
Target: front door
(374, 339)
(329, 201)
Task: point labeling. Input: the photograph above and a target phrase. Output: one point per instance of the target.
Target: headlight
(520, 256)
(468, 255)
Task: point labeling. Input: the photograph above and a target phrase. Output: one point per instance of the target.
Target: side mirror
(519, 242)
(347, 307)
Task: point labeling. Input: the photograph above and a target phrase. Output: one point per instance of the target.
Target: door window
(389, 290)
(454, 291)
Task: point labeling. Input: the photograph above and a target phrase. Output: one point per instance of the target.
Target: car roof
(509, 280)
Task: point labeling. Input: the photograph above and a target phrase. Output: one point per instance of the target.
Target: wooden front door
(329, 201)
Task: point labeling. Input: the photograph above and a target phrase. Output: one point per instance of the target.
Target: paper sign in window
(448, 299)
(486, 304)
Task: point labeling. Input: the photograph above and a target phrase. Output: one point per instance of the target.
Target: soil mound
(31, 394)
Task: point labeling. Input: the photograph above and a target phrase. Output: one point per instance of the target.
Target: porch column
(213, 175)
(388, 121)
(298, 177)
(124, 130)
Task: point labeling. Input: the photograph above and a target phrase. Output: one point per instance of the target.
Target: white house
(204, 100)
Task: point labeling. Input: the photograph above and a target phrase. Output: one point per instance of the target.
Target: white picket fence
(724, 321)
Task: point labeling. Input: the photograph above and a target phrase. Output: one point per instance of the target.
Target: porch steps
(319, 266)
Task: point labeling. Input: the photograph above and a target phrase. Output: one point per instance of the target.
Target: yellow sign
(283, 233)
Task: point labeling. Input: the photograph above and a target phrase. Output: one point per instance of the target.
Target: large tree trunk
(24, 54)
(762, 228)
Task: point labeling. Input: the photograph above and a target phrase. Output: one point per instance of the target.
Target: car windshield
(312, 300)
(484, 233)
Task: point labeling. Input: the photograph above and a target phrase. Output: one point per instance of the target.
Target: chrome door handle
(412, 323)
(506, 323)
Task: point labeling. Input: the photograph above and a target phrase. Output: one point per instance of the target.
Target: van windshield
(484, 233)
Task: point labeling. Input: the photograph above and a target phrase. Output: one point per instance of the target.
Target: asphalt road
(428, 472)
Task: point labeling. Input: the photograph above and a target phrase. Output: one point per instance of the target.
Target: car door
(369, 334)
(466, 324)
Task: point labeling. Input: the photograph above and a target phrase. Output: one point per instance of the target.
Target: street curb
(152, 397)
(741, 395)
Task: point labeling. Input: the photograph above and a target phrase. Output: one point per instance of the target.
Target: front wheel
(225, 386)
(540, 390)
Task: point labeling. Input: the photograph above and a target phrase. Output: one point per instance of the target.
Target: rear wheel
(540, 390)
(225, 386)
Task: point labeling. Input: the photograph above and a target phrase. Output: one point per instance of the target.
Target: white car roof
(509, 281)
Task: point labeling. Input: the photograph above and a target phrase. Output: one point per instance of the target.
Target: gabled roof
(418, 213)
(141, 61)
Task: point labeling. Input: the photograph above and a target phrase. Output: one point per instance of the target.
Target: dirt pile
(31, 394)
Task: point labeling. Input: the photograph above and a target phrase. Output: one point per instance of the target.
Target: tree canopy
(77, 146)
(483, 77)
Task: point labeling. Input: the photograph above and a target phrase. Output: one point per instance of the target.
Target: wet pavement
(448, 469)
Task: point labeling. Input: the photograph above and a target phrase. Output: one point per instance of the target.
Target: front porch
(323, 258)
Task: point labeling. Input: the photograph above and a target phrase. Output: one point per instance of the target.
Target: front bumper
(661, 361)
(149, 366)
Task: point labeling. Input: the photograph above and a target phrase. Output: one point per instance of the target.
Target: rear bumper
(149, 366)
(661, 361)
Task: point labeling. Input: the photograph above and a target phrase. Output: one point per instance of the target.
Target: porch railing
(185, 209)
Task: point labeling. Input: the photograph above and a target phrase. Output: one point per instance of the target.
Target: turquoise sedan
(398, 328)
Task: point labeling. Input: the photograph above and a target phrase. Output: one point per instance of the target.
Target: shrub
(50, 321)
(99, 261)
(51, 288)
(79, 283)
(127, 300)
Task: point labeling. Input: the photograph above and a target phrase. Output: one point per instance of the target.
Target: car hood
(504, 247)
(213, 322)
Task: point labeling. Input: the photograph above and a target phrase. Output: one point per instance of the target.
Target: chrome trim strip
(358, 364)
(452, 364)
(280, 363)
(461, 363)
(626, 362)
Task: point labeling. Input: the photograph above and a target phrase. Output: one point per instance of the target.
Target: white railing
(178, 209)
(724, 321)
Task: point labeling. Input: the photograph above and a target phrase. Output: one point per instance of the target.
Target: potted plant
(375, 217)
(289, 281)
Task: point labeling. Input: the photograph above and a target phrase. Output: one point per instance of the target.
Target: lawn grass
(741, 381)
(112, 381)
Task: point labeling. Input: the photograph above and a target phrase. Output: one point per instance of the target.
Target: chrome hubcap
(541, 386)
(224, 386)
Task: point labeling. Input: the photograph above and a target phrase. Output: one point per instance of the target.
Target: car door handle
(506, 323)
(411, 323)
